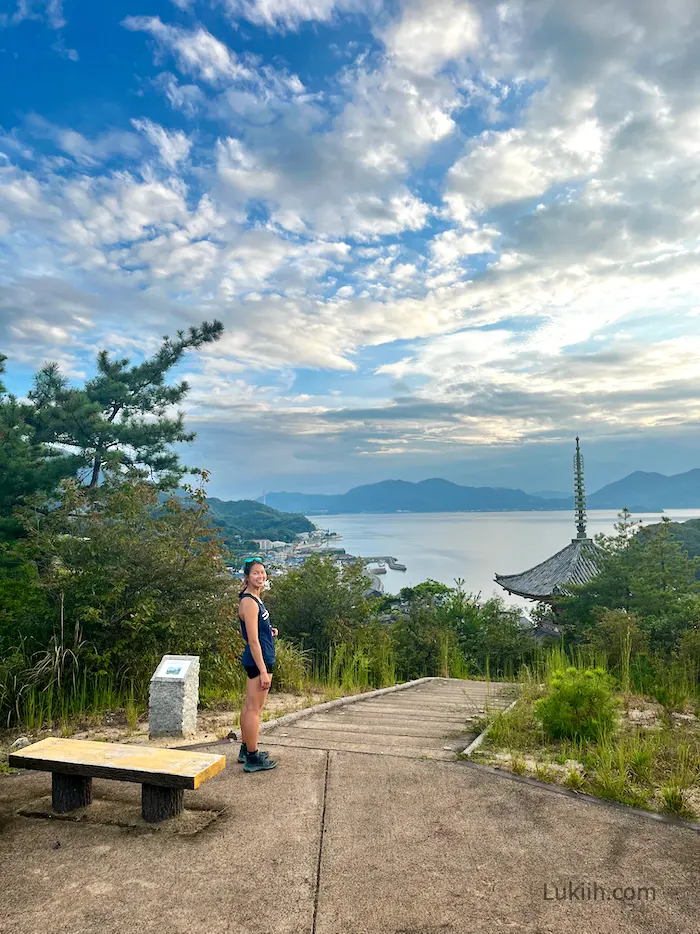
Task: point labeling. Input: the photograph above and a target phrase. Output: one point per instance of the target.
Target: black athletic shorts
(252, 670)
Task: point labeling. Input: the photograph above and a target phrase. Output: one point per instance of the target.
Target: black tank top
(265, 637)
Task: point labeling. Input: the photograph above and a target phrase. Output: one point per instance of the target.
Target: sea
(469, 545)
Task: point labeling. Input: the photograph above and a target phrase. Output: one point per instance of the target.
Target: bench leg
(69, 792)
(158, 803)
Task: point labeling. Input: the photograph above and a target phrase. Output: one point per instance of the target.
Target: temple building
(575, 564)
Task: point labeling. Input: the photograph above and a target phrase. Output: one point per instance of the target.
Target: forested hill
(243, 520)
(687, 533)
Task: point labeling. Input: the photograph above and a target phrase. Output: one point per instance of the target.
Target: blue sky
(443, 236)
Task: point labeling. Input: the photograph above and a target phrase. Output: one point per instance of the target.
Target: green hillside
(243, 520)
(687, 533)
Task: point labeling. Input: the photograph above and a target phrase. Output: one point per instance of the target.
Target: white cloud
(86, 151)
(52, 10)
(197, 52)
(188, 98)
(521, 163)
(173, 147)
(452, 245)
(290, 13)
(403, 272)
(430, 33)
(239, 169)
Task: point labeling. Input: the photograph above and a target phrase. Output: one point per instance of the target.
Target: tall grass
(548, 660)
(676, 686)
(626, 657)
(39, 707)
(291, 667)
(348, 667)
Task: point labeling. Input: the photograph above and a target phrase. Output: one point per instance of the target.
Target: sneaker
(256, 763)
(244, 749)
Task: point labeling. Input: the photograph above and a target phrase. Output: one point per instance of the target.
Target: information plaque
(174, 697)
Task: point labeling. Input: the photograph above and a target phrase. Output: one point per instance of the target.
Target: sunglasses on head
(250, 561)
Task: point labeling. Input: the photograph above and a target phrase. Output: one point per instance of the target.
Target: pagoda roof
(573, 565)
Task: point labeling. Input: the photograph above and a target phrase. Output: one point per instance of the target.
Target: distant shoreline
(311, 514)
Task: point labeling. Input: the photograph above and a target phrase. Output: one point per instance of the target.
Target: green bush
(579, 705)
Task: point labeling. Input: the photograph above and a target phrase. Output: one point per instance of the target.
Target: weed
(132, 711)
(543, 772)
(517, 764)
(516, 728)
(611, 773)
(291, 667)
(675, 801)
(640, 761)
(574, 780)
(66, 728)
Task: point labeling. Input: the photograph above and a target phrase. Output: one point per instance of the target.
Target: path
(433, 719)
(355, 840)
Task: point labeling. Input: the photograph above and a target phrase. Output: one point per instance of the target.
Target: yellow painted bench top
(173, 768)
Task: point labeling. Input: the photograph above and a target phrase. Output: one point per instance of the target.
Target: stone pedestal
(174, 696)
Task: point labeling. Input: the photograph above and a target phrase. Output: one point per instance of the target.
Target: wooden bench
(162, 773)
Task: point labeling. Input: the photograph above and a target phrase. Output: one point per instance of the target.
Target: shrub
(579, 705)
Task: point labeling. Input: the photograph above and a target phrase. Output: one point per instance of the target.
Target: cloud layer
(430, 229)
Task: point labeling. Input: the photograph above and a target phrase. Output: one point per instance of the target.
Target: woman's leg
(250, 714)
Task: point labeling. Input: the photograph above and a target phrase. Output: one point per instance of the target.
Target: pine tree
(119, 420)
(660, 570)
(26, 466)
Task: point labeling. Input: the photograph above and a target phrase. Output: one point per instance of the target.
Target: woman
(258, 658)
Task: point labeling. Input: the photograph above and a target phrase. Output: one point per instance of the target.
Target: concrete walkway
(433, 719)
(352, 841)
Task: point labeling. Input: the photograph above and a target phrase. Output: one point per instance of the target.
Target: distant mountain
(550, 494)
(650, 491)
(400, 496)
(640, 492)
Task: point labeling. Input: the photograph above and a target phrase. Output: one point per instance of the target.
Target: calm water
(470, 545)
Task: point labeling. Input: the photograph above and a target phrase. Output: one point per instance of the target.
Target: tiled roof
(575, 564)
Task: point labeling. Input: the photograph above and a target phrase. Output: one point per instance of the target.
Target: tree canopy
(120, 419)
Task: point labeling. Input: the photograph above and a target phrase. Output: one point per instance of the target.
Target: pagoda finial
(579, 492)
